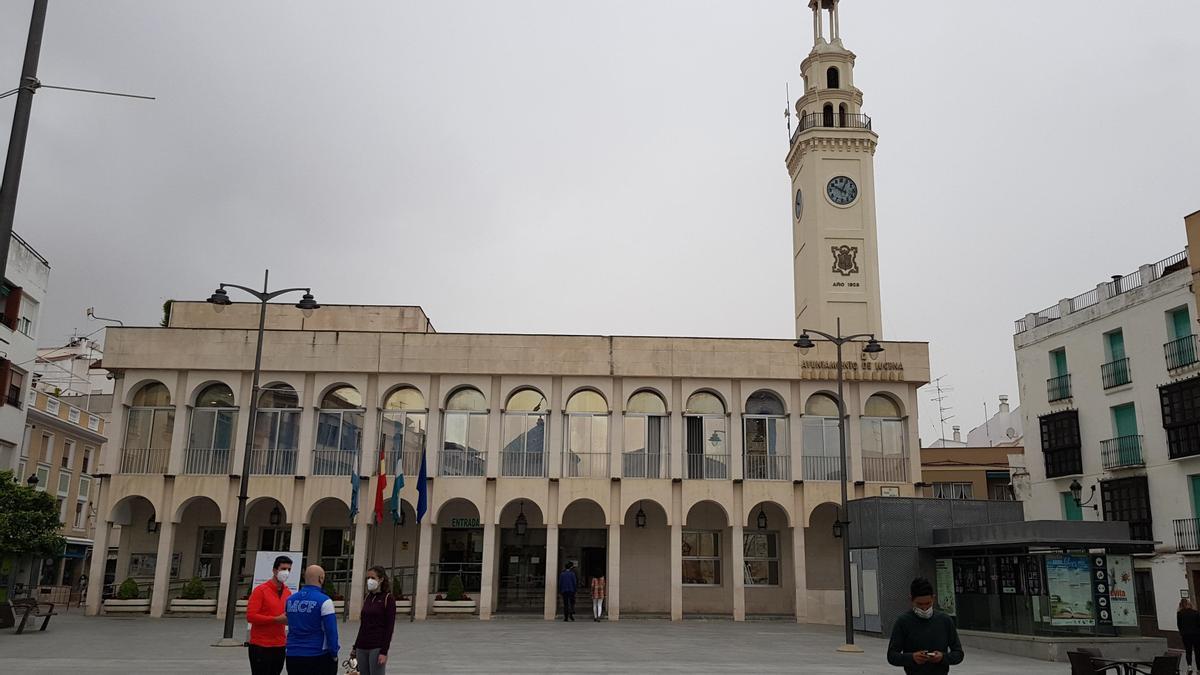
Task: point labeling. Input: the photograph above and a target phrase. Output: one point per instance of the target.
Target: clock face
(841, 190)
(799, 205)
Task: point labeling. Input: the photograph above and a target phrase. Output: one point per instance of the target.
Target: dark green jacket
(911, 634)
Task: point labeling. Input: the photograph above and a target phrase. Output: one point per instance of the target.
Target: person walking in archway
(599, 592)
(568, 583)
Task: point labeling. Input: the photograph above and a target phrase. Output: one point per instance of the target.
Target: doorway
(522, 587)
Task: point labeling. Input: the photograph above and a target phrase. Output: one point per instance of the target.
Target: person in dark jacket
(924, 641)
(567, 584)
(1187, 620)
(377, 621)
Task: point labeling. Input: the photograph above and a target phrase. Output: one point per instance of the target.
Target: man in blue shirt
(312, 641)
(566, 586)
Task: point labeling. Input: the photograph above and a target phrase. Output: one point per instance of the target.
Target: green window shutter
(1058, 359)
(1116, 346)
(1181, 323)
(1124, 420)
(1071, 510)
(1195, 485)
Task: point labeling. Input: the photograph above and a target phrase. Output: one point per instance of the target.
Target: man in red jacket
(267, 617)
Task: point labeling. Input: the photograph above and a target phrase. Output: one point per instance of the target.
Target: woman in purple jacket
(376, 623)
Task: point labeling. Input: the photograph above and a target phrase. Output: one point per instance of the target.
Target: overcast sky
(601, 167)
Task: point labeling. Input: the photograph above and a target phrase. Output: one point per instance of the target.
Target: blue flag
(422, 489)
(397, 484)
(353, 493)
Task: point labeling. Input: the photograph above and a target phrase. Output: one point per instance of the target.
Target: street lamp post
(872, 349)
(220, 300)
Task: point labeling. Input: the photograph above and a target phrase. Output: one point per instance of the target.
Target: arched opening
(820, 438)
(823, 566)
(464, 434)
(645, 559)
(764, 436)
(339, 432)
(135, 536)
(884, 450)
(200, 544)
(210, 436)
(583, 541)
(402, 430)
(767, 558)
(276, 431)
(827, 115)
(707, 552)
(330, 542)
(833, 78)
(268, 528)
(458, 543)
(522, 584)
(585, 452)
(705, 437)
(395, 542)
(523, 452)
(148, 428)
(842, 115)
(645, 453)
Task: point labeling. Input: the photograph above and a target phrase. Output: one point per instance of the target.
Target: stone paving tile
(77, 644)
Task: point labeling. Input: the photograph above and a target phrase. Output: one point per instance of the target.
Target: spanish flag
(380, 486)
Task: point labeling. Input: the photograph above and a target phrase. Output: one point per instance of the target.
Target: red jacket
(266, 603)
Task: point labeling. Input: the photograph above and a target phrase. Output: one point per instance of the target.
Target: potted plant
(128, 600)
(339, 601)
(403, 604)
(193, 599)
(455, 601)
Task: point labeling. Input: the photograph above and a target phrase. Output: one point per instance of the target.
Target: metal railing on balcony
(1058, 388)
(153, 460)
(585, 464)
(1115, 373)
(1187, 534)
(212, 461)
(273, 462)
(333, 462)
(768, 467)
(820, 467)
(1122, 451)
(410, 461)
(523, 463)
(1180, 352)
(645, 465)
(885, 469)
(832, 120)
(713, 467)
(458, 461)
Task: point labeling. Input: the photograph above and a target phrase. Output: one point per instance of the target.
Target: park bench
(28, 607)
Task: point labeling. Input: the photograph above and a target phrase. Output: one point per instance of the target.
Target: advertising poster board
(1068, 578)
(945, 586)
(263, 561)
(1124, 609)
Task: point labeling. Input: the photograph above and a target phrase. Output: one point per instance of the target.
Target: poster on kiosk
(264, 560)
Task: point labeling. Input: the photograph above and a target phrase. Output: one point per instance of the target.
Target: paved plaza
(77, 644)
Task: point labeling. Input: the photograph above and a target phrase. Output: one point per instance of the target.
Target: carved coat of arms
(845, 260)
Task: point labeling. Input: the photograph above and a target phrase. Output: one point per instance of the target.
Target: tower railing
(832, 120)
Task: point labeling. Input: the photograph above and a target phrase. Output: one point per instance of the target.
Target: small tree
(454, 592)
(128, 590)
(193, 590)
(28, 521)
(166, 320)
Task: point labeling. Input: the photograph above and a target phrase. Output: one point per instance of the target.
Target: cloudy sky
(610, 167)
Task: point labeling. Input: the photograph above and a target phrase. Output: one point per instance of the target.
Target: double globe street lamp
(841, 528)
(220, 300)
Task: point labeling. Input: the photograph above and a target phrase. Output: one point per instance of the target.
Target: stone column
(737, 571)
(551, 604)
(800, 570)
(162, 568)
(676, 570)
(487, 573)
(306, 441)
(96, 571)
(227, 555)
(613, 575)
(179, 432)
(421, 595)
(358, 564)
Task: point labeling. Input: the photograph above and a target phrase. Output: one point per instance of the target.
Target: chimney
(957, 434)
(1003, 403)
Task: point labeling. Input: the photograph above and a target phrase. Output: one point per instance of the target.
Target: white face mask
(372, 585)
(923, 613)
(282, 576)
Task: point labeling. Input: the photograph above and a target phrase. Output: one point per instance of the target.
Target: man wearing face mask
(924, 641)
(312, 641)
(267, 617)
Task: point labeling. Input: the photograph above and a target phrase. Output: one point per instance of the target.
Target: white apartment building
(27, 278)
(1109, 384)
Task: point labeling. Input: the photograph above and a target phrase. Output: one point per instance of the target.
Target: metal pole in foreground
(844, 514)
(20, 130)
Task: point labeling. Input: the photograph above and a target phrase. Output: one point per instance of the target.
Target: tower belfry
(831, 162)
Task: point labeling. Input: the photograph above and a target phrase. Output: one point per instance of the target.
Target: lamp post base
(850, 649)
(229, 642)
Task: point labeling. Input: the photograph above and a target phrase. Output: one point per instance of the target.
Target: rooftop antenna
(787, 108)
(942, 396)
(987, 424)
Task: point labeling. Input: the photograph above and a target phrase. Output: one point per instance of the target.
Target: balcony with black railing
(1058, 388)
(1181, 352)
(831, 119)
(1187, 534)
(1122, 452)
(1115, 373)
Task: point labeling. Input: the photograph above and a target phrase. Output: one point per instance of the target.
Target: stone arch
(653, 391)
(506, 516)
(518, 391)
(706, 508)
(457, 502)
(399, 387)
(655, 512)
(335, 386)
(770, 391)
(828, 507)
(194, 395)
(312, 508)
(141, 384)
(813, 399)
(774, 511)
(822, 551)
(279, 386)
(463, 389)
(712, 392)
(193, 500)
(585, 390)
(887, 396)
(268, 503)
(583, 509)
(121, 512)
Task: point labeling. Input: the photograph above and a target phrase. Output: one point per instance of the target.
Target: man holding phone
(924, 641)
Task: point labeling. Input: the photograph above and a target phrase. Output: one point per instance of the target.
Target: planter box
(453, 606)
(339, 606)
(404, 606)
(137, 606)
(181, 606)
(241, 606)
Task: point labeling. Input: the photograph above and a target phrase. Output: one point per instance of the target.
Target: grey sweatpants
(368, 662)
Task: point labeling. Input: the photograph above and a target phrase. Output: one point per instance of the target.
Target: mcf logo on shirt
(301, 606)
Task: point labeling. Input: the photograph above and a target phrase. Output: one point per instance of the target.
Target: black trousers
(312, 665)
(1191, 647)
(568, 605)
(266, 660)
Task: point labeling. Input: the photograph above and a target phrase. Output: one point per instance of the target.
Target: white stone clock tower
(831, 161)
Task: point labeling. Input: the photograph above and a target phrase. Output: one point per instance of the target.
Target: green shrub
(128, 590)
(454, 592)
(193, 590)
